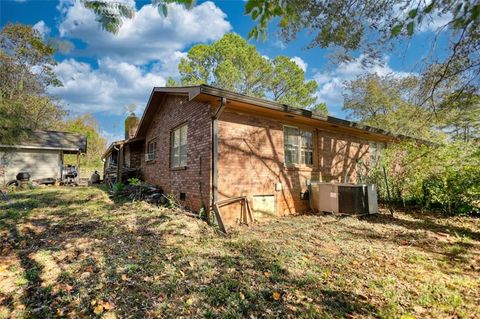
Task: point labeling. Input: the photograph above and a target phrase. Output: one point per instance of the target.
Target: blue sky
(102, 73)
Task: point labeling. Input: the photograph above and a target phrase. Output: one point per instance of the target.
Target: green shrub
(134, 181)
(118, 187)
(445, 177)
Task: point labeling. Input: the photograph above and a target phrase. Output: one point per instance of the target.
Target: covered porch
(123, 160)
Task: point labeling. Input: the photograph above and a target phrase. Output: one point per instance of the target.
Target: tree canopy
(233, 64)
(230, 63)
(26, 71)
(396, 104)
(376, 27)
(87, 125)
(388, 102)
(352, 26)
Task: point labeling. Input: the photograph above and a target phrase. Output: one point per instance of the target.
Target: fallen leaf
(276, 296)
(124, 277)
(108, 306)
(267, 274)
(98, 309)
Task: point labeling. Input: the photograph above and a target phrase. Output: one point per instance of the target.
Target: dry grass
(72, 252)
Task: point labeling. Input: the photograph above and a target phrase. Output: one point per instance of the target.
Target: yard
(73, 252)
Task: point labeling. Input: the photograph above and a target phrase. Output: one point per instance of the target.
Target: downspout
(215, 117)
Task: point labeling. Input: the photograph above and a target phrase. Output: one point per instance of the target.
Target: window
(178, 151)
(151, 150)
(298, 146)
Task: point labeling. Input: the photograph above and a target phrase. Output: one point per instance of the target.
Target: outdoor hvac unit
(353, 199)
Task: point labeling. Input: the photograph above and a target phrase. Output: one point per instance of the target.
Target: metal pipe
(215, 117)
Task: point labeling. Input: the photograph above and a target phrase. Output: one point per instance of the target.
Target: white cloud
(430, 23)
(146, 50)
(330, 83)
(42, 28)
(147, 36)
(299, 61)
(434, 23)
(110, 88)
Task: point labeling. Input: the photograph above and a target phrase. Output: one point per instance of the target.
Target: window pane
(176, 138)
(179, 147)
(307, 157)
(291, 136)
(175, 157)
(306, 145)
(307, 139)
(183, 155)
(291, 155)
(183, 135)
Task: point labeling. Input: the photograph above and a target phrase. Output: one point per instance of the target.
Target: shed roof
(53, 140)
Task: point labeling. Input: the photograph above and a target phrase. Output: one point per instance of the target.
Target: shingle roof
(64, 141)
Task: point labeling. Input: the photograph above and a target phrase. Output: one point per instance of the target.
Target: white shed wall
(39, 163)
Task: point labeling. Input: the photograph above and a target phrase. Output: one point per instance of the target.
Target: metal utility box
(355, 199)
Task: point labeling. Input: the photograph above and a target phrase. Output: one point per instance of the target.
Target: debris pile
(149, 193)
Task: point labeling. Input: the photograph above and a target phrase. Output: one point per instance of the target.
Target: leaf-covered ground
(72, 252)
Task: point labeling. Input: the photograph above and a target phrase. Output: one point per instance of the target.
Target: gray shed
(41, 155)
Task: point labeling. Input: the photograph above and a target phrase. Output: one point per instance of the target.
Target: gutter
(41, 148)
(215, 117)
(330, 120)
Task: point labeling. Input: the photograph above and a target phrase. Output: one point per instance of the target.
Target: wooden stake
(218, 216)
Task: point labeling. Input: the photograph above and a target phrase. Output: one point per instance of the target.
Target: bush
(446, 177)
(454, 191)
(134, 181)
(118, 187)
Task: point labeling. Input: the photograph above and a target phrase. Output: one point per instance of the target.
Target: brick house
(203, 144)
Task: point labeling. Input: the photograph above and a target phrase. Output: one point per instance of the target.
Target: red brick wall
(251, 161)
(194, 180)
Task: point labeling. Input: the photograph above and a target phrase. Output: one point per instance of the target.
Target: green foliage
(230, 63)
(24, 103)
(461, 115)
(171, 200)
(233, 64)
(391, 103)
(171, 82)
(109, 14)
(287, 84)
(320, 109)
(373, 27)
(446, 177)
(134, 181)
(118, 187)
(86, 125)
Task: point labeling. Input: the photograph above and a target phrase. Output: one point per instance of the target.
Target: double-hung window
(178, 151)
(298, 146)
(151, 150)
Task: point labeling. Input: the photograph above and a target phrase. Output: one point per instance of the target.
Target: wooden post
(78, 168)
(219, 219)
(120, 163)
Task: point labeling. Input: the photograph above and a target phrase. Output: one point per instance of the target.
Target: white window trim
(172, 141)
(299, 146)
(151, 156)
